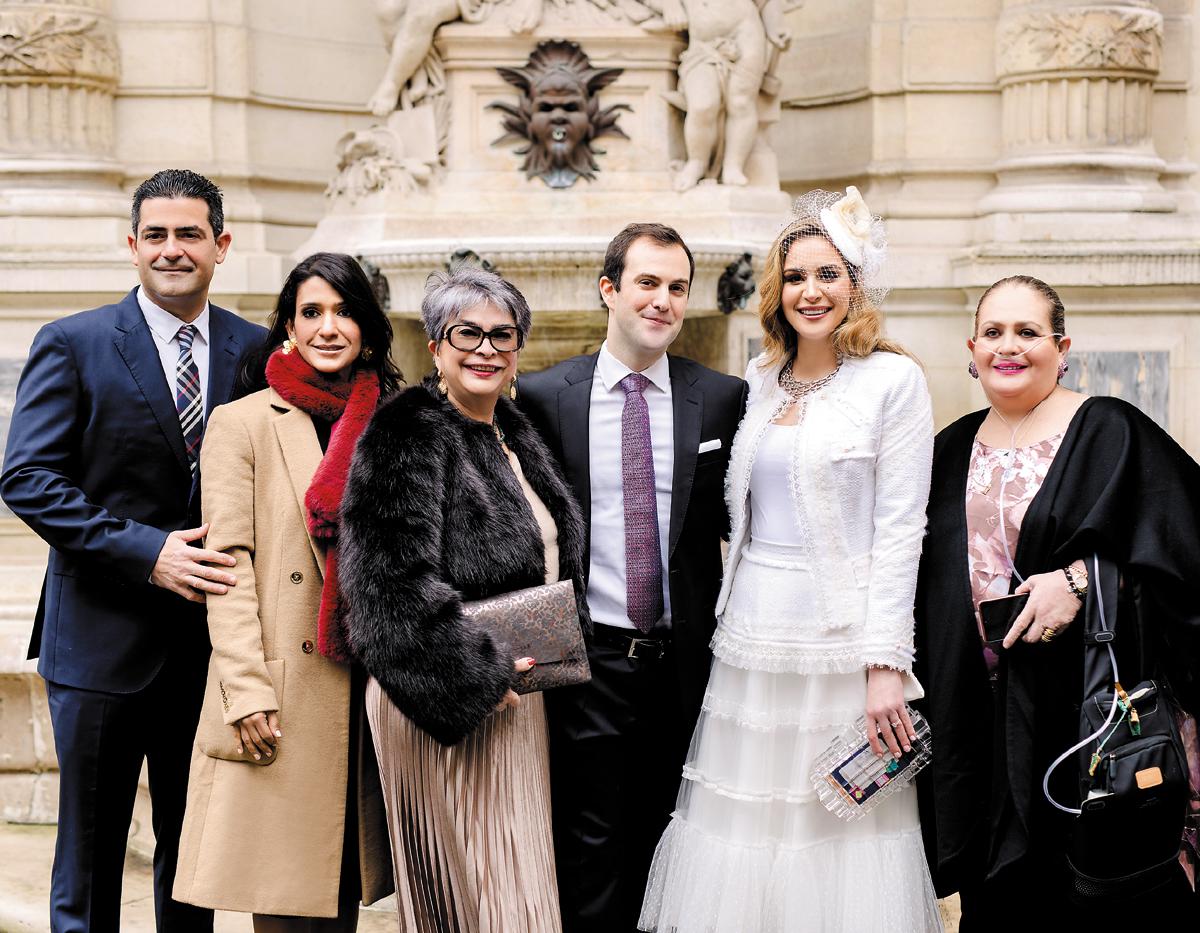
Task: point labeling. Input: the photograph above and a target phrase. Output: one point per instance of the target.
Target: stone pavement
(26, 852)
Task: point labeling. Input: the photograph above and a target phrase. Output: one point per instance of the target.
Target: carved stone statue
(408, 29)
(733, 46)
(736, 284)
(559, 114)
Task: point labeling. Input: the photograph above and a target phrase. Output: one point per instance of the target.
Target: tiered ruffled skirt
(750, 848)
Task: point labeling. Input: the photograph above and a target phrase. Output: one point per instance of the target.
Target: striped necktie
(189, 401)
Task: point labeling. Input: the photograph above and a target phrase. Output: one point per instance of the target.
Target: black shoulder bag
(1133, 780)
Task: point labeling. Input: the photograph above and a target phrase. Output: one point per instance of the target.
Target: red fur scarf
(349, 405)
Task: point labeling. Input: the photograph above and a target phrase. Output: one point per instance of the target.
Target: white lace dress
(750, 847)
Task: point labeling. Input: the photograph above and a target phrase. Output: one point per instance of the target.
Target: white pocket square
(706, 446)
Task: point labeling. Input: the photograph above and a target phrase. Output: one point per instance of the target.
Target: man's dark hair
(180, 183)
(614, 256)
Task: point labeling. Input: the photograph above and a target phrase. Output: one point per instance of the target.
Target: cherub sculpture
(721, 73)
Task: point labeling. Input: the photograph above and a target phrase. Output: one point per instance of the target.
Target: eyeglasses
(468, 338)
(1020, 344)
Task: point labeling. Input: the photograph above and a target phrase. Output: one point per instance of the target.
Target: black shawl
(1120, 486)
(433, 515)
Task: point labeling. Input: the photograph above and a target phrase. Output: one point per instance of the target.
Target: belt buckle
(634, 643)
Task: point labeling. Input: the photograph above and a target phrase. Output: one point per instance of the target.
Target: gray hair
(449, 294)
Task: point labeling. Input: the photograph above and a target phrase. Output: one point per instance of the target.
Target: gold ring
(1048, 634)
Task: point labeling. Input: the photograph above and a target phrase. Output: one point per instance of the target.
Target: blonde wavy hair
(860, 334)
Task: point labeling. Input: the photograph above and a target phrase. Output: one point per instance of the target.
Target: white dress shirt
(164, 326)
(606, 594)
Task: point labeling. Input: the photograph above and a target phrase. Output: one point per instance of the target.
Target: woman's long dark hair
(346, 277)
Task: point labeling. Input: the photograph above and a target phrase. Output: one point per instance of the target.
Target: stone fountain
(524, 133)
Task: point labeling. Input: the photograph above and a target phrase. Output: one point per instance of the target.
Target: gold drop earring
(441, 383)
(288, 346)
(512, 388)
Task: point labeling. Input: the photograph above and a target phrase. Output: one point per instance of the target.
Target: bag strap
(1099, 635)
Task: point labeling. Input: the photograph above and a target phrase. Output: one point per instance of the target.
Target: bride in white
(827, 488)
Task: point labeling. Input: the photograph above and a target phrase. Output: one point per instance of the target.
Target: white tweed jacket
(859, 486)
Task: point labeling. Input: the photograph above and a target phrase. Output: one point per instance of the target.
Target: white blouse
(771, 518)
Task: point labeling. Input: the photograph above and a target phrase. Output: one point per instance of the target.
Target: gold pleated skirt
(470, 824)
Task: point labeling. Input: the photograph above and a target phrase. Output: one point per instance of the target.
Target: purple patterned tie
(189, 401)
(643, 555)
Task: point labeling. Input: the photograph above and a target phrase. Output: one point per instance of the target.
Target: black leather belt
(629, 642)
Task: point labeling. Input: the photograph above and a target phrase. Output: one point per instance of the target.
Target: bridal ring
(894, 723)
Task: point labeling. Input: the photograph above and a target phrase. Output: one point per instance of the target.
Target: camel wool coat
(267, 837)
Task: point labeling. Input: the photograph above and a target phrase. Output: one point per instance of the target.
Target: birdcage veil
(858, 235)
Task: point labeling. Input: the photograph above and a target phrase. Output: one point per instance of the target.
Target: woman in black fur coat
(453, 496)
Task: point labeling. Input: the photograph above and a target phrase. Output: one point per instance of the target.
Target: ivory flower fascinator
(858, 235)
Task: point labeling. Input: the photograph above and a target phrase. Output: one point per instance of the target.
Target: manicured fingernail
(257, 756)
(529, 660)
(240, 752)
(907, 748)
(278, 734)
(268, 753)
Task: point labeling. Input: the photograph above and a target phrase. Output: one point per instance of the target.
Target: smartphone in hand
(998, 616)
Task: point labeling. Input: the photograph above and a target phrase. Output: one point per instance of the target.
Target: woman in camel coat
(283, 751)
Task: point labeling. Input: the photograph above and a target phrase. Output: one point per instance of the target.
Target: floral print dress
(988, 561)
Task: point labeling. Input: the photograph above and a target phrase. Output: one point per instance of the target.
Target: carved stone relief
(469, 257)
(559, 116)
(400, 155)
(736, 284)
(58, 73)
(1082, 38)
(1078, 80)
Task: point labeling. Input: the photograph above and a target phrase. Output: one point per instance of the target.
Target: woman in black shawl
(1072, 476)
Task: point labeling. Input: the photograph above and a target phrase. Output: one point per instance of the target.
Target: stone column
(58, 76)
(1077, 85)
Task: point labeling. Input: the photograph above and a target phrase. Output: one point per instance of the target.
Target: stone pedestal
(410, 209)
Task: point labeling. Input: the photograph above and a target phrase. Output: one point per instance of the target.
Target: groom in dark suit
(102, 463)
(644, 439)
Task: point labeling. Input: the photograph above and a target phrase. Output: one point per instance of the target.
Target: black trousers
(101, 740)
(618, 745)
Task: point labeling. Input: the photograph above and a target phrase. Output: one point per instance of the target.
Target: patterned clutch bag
(542, 623)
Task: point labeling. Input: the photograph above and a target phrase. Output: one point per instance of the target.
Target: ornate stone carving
(58, 73)
(1084, 38)
(1077, 93)
(379, 282)
(49, 43)
(400, 155)
(736, 284)
(733, 49)
(559, 115)
(469, 257)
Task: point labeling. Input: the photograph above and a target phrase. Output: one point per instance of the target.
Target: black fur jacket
(433, 515)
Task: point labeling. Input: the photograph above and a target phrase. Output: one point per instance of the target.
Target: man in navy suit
(102, 463)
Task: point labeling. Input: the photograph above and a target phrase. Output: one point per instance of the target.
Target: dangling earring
(288, 346)
(512, 389)
(441, 384)
(971, 368)
(366, 354)
(1062, 368)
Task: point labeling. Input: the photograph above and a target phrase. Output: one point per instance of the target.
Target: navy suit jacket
(96, 465)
